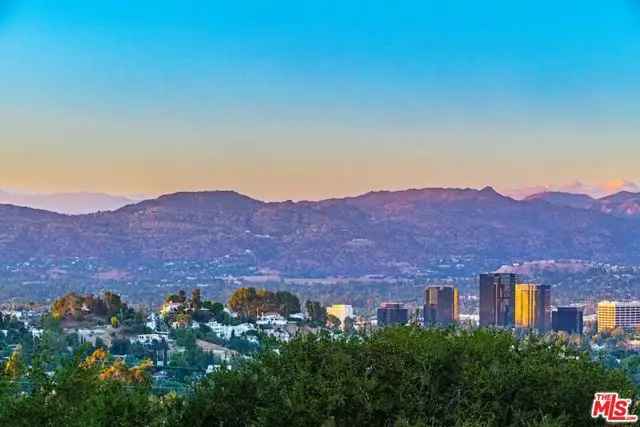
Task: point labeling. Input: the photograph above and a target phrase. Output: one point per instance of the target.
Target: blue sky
(312, 99)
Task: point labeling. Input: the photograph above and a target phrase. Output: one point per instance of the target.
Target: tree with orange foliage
(118, 371)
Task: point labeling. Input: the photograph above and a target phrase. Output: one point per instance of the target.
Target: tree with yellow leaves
(14, 366)
(118, 371)
(97, 358)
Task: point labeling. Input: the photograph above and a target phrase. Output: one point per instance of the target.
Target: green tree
(407, 376)
(249, 302)
(287, 303)
(243, 302)
(196, 300)
(333, 322)
(316, 312)
(82, 392)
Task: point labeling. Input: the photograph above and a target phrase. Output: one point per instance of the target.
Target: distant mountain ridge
(595, 191)
(622, 204)
(387, 232)
(67, 203)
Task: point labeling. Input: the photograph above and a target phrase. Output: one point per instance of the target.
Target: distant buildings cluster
(504, 302)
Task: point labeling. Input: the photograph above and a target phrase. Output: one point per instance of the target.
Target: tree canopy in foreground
(397, 377)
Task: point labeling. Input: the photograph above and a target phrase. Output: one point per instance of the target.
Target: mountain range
(622, 204)
(597, 190)
(69, 203)
(384, 232)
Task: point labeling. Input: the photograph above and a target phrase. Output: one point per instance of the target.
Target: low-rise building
(149, 338)
(271, 319)
(220, 352)
(94, 335)
(228, 331)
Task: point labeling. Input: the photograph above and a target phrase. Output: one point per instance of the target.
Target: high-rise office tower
(533, 306)
(567, 319)
(544, 311)
(497, 299)
(392, 313)
(441, 305)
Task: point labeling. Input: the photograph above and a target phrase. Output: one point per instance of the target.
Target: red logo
(613, 409)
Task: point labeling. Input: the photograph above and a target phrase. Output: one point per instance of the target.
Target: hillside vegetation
(396, 377)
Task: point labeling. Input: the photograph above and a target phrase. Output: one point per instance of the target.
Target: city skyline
(307, 101)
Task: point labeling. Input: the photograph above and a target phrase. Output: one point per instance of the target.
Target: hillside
(378, 232)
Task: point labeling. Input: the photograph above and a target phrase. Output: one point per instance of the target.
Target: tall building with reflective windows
(533, 306)
(441, 305)
(618, 314)
(567, 319)
(497, 299)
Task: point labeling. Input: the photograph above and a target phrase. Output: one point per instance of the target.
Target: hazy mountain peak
(197, 200)
(577, 187)
(66, 203)
(623, 204)
(559, 198)
(621, 196)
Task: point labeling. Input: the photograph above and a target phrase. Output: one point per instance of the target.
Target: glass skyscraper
(497, 299)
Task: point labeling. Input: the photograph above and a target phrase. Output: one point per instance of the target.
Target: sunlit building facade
(441, 306)
(618, 314)
(341, 311)
(533, 306)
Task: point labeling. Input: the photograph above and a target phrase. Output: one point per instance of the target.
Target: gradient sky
(309, 99)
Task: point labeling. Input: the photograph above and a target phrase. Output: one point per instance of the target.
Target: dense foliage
(398, 377)
(250, 302)
(407, 376)
(87, 391)
(77, 307)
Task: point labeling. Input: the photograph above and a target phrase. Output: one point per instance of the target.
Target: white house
(153, 321)
(271, 319)
(149, 338)
(227, 331)
(36, 333)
